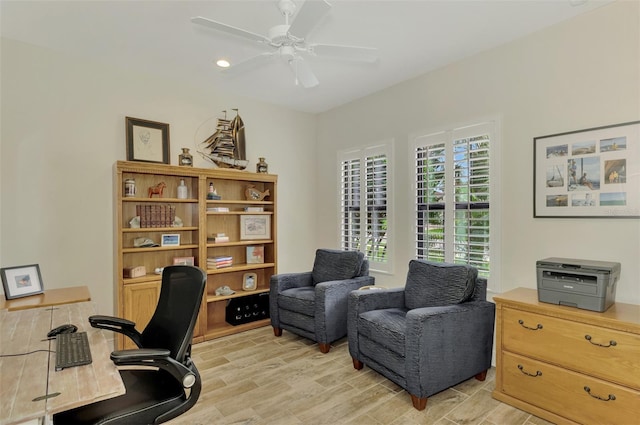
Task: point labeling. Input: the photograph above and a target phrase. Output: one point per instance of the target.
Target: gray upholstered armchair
(314, 304)
(432, 334)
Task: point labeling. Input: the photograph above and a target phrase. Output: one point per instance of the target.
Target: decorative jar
(129, 188)
(262, 166)
(185, 159)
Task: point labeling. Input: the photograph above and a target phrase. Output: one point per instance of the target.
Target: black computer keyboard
(72, 349)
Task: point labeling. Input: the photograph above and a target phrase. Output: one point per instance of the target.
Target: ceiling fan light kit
(288, 41)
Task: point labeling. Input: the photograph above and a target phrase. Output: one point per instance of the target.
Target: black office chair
(153, 396)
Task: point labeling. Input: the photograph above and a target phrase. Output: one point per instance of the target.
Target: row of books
(156, 215)
(219, 262)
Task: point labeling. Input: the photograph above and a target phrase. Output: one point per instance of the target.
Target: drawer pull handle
(521, 322)
(610, 398)
(612, 343)
(538, 373)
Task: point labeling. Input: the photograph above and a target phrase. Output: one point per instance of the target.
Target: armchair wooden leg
(481, 376)
(357, 364)
(277, 331)
(418, 403)
(324, 347)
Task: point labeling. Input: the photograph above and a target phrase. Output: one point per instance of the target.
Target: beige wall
(580, 74)
(63, 127)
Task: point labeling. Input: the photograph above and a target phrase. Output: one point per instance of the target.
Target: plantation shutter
(364, 203)
(452, 214)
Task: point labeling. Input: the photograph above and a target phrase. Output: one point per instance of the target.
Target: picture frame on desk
(147, 141)
(255, 226)
(21, 281)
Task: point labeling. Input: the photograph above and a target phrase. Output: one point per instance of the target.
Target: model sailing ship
(226, 146)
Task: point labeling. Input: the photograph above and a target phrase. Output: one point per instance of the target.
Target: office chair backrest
(174, 319)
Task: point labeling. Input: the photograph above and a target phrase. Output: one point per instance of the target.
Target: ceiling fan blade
(361, 54)
(249, 64)
(238, 32)
(308, 17)
(304, 74)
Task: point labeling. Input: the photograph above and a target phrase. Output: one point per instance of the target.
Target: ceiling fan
(288, 41)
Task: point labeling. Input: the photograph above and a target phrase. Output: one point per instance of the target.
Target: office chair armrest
(119, 325)
(122, 357)
(156, 357)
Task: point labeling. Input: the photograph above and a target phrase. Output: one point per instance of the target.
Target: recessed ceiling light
(223, 63)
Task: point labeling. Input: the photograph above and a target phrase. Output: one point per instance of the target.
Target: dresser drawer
(574, 396)
(604, 353)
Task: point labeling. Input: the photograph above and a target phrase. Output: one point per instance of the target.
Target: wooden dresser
(568, 365)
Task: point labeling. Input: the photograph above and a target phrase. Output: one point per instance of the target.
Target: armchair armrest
(282, 282)
(376, 299)
(331, 306)
(367, 300)
(119, 325)
(460, 334)
(285, 281)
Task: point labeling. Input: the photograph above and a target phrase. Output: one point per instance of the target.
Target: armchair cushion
(332, 264)
(385, 327)
(301, 300)
(446, 284)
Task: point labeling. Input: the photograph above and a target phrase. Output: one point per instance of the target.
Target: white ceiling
(413, 37)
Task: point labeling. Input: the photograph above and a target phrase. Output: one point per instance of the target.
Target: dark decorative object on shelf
(212, 194)
(185, 158)
(262, 166)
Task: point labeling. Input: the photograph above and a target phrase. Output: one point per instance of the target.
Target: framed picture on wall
(21, 281)
(588, 173)
(147, 141)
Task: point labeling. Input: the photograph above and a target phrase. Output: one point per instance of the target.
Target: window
(365, 204)
(455, 187)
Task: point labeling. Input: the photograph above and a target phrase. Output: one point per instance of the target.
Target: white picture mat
(255, 227)
(22, 281)
(610, 157)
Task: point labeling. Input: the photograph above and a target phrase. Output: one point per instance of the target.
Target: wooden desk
(30, 387)
(74, 294)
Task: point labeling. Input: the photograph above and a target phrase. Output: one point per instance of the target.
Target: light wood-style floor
(255, 378)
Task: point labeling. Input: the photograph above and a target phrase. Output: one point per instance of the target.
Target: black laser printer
(586, 284)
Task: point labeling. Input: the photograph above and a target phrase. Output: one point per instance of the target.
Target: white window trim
(458, 131)
(381, 147)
